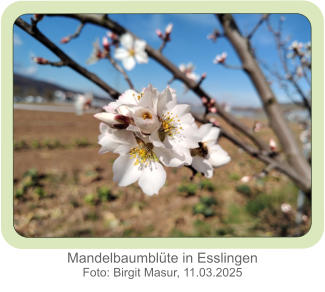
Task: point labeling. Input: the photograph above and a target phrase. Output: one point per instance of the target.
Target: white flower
(138, 160)
(132, 50)
(177, 131)
(220, 59)
(209, 154)
(188, 70)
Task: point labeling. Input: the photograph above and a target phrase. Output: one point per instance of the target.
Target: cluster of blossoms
(300, 50)
(149, 130)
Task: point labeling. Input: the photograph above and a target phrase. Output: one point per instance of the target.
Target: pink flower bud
(159, 33)
(272, 145)
(40, 60)
(38, 17)
(213, 110)
(65, 40)
(212, 101)
(204, 100)
(169, 29)
(114, 38)
(106, 43)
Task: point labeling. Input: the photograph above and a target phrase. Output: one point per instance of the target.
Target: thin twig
(74, 35)
(121, 70)
(258, 24)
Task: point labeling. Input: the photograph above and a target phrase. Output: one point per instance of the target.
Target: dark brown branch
(270, 104)
(54, 64)
(35, 33)
(173, 69)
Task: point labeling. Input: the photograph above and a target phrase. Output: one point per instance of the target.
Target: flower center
(143, 154)
(146, 116)
(170, 126)
(132, 52)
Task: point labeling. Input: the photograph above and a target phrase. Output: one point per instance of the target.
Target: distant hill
(24, 86)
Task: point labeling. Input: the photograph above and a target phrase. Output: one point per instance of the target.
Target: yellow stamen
(143, 154)
(132, 52)
(147, 116)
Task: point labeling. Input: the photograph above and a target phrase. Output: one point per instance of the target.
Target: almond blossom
(137, 161)
(209, 154)
(150, 130)
(220, 59)
(188, 70)
(132, 51)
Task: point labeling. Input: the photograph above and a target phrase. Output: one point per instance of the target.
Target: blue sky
(189, 44)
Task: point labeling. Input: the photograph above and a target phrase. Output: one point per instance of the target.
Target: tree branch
(173, 69)
(281, 49)
(271, 107)
(35, 33)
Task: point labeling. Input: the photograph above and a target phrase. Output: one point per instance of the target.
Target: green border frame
(307, 9)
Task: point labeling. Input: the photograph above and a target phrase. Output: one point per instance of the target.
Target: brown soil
(71, 175)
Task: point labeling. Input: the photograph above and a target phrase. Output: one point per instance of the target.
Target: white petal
(128, 97)
(108, 118)
(181, 109)
(212, 135)
(141, 57)
(110, 108)
(128, 63)
(112, 140)
(217, 156)
(127, 41)
(171, 158)
(165, 98)
(204, 130)
(152, 179)
(149, 97)
(121, 53)
(139, 45)
(202, 165)
(125, 172)
(182, 67)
